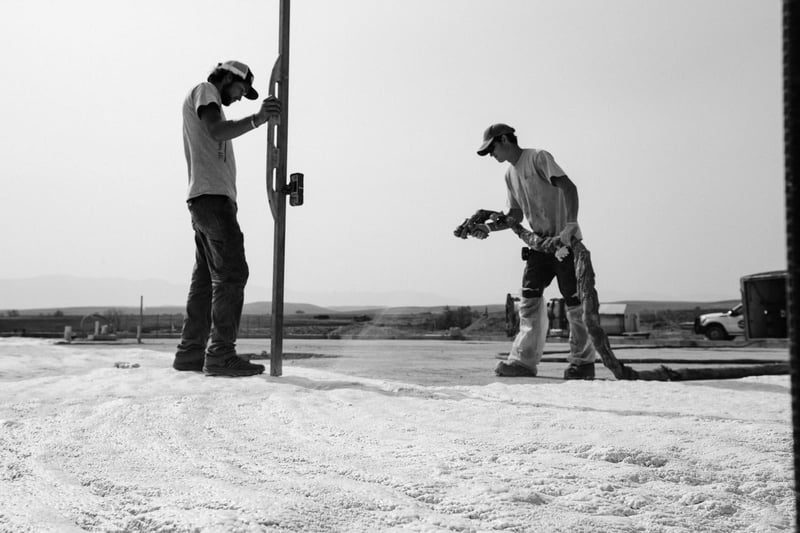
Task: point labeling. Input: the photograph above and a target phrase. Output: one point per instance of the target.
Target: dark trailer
(764, 305)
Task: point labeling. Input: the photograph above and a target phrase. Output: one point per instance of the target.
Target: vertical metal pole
(791, 87)
(279, 255)
(141, 320)
(277, 185)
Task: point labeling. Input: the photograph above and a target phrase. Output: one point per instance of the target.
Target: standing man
(541, 192)
(216, 292)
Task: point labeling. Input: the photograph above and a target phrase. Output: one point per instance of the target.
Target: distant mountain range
(254, 308)
(48, 294)
(81, 296)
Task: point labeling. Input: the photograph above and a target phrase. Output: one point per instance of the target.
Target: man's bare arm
(571, 230)
(570, 195)
(225, 130)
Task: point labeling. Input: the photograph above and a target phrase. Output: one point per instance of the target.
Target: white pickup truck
(721, 326)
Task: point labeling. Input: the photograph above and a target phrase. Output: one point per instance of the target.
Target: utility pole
(277, 185)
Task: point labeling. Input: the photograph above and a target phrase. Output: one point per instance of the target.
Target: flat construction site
(445, 362)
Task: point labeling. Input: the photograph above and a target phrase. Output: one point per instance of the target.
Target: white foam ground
(86, 446)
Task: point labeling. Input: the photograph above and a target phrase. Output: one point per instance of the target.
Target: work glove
(570, 231)
(480, 231)
(533, 240)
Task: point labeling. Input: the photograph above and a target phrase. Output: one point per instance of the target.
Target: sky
(87, 446)
(667, 115)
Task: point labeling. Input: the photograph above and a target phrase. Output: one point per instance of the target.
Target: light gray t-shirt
(530, 189)
(211, 165)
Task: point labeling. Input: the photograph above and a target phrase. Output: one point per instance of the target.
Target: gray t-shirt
(211, 165)
(530, 189)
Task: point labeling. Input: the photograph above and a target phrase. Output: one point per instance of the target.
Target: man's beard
(225, 95)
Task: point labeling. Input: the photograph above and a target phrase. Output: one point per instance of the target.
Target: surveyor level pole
(277, 186)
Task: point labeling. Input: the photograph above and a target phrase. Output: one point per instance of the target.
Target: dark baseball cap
(243, 71)
(491, 133)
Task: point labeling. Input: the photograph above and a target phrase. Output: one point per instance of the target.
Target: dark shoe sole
(188, 367)
(507, 370)
(583, 372)
(233, 372)
(228, 374)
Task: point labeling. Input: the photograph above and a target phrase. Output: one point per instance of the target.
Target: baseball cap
(491, 133)
(243, 71)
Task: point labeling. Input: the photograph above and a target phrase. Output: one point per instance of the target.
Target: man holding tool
(540, 191)
(216, 292)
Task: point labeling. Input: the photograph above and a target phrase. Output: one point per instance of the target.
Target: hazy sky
(667, 114)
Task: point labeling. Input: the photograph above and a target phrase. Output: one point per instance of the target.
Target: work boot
(574, 371)
(233, 367)
(193, 366)
(511, 370)
(189, 361)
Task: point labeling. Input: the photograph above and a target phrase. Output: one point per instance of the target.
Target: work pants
(528, 346)
(216, 292)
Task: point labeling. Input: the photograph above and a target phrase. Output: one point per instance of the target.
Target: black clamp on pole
(295, 189)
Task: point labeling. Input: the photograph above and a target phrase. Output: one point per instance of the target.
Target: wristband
(253, 121)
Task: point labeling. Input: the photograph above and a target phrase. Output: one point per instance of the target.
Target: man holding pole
(541, 192)
(216, 292)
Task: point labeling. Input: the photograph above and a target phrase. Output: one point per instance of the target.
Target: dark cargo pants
(216, 292)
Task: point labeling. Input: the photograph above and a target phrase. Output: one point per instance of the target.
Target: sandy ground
(384, 436)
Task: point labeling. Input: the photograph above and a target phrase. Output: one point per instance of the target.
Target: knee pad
(575, 311)
(531, 293)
